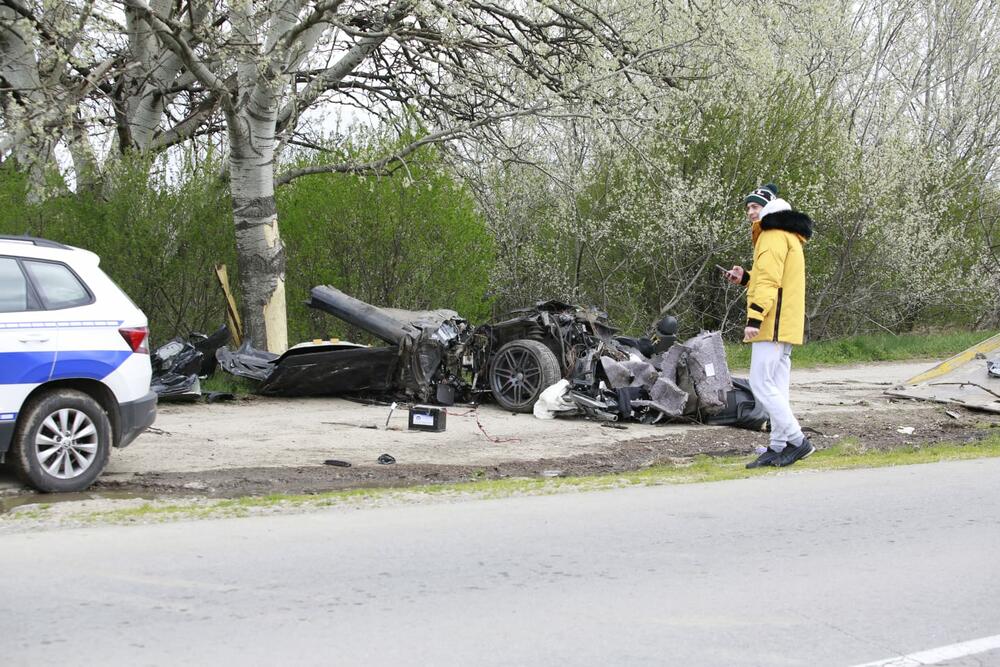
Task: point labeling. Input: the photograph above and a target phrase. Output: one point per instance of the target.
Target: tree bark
(26, 118)
(158, 67)
(260, 252)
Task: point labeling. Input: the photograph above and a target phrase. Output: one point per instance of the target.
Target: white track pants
(770, 371)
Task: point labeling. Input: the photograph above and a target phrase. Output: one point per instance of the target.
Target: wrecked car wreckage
(554, 358)
(178, 365)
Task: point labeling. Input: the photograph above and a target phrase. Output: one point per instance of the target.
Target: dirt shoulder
(872, 430)
(258, 446)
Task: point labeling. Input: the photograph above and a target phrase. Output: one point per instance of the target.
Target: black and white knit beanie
(762, 195)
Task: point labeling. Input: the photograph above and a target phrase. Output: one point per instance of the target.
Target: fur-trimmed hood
(789, 221)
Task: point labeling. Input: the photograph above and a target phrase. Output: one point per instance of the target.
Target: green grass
(228, 383)
(846, 454)
(861, 349)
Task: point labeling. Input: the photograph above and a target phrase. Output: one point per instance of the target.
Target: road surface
(804, 568)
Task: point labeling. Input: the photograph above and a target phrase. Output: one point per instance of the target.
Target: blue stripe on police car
(38, 367)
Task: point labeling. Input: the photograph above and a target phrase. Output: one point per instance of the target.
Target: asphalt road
(803, 568)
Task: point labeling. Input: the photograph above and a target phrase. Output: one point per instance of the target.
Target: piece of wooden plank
(232, 314)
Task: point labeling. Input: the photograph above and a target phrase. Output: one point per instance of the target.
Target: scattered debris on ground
(970, 379)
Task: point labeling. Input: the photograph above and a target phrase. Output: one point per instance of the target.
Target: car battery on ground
(428, 418)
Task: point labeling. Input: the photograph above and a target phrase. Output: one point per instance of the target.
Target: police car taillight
(137, 338)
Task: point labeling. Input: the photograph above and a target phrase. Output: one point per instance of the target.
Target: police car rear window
(57, 285)
(13, 287)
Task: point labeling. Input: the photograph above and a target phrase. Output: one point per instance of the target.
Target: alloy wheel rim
(517, 375)
(66, 443)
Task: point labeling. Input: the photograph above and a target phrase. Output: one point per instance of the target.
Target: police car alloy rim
(66, 443)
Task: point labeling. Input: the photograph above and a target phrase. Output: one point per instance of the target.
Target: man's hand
(734, 275)
(750, 333)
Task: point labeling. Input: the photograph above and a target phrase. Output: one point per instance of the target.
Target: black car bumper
(6, 436)
(136, 417)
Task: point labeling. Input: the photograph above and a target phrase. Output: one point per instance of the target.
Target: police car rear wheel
(64, 442)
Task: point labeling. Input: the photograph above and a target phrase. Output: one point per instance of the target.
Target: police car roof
(31, 246)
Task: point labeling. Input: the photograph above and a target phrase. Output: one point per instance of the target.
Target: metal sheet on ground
(961, 380)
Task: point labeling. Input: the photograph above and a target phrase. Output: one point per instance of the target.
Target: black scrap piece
(642, 345)
(246, 361)
(331, 369)
(625, 396)
(742, 410)
(386, 459)
(208, 345)
(175, 387)
(445, 394)
(337, 462)
(175, 367)
(597, 409)
(585, 370)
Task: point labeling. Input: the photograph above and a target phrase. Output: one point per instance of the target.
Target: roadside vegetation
(623, 195)
(863, 349)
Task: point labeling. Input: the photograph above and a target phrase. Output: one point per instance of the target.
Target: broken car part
(316, 370)
(246, 361)
(553, 402)
(175, 366)
(961, 380)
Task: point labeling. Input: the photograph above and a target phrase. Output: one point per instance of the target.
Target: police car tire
(26, 464)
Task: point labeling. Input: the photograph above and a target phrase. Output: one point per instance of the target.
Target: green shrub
(159, 241)
(411, 240)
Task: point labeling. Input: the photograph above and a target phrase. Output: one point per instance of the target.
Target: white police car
(74, 364)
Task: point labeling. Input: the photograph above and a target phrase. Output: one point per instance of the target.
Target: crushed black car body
(437, 356)
(338, 368)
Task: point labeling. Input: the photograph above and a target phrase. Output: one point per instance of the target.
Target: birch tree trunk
(156, 69)
(19, 71)
(259, 250)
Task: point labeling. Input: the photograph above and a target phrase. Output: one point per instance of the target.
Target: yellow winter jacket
(776, 293)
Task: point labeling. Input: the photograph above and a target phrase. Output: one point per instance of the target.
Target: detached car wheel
(63, 443)
(521, 370)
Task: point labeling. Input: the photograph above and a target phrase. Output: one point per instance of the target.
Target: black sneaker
(768, 458)
(790, 454)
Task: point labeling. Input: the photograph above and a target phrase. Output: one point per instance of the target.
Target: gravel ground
(257, 445)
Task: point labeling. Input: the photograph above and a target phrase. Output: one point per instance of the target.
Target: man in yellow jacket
(776, 303)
